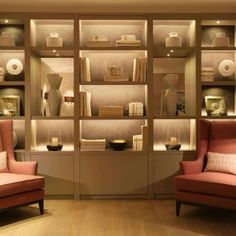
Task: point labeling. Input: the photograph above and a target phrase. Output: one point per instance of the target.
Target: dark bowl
(173, 147)
(54, 148)
(118, 144)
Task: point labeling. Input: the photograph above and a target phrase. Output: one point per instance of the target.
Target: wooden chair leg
(178, 206)
(41, 206)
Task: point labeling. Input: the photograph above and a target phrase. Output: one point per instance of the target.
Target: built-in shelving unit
(97, 56)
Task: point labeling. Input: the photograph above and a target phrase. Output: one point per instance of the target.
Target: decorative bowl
(173, 146)
(118, 144)
(54, 148)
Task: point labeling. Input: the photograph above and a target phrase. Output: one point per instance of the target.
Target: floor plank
(116, 218)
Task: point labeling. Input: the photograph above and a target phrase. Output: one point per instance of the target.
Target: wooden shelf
(219, 117)
(218, 83)
(15, 48)
(12, 83)
(113, 152)
(175, 151)
(125, 48)
(174, 117)
(52, 117)
(12, 117)
(218, 48)
(162, 52)
(114, 118)
(51, 152)
(49, 52)
(112, 83)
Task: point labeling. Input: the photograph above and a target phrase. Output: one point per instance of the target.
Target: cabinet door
(58, 172)
(166, 167)
(110, 174)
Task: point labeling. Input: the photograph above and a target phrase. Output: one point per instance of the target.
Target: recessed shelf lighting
(217, 22)
(54, 50)
(172, 51)
(57, 54)
(168, 54)
(6, 21)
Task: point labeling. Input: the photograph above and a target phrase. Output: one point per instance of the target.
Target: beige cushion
(220, 162)
(3, 162)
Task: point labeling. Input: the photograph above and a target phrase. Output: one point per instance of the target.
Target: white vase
(54, 95)
(170, 95)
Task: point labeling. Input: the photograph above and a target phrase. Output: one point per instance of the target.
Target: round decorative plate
(227, 68)
(14, 66)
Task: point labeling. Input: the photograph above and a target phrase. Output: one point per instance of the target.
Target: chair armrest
(26, 168)
(191, 167)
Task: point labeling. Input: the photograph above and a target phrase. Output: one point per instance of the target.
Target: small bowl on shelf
(173, 146)
(118, 144)
(54, 148)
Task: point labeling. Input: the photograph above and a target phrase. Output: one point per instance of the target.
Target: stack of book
(85, 103)
(140, 141)
(85, 69)
(136, 109)
(140, 69)
(128, 43)
(111, 111)
(92, 144)
(207, 74)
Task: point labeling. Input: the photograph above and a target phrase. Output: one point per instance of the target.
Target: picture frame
(215, 105)
(10, 105)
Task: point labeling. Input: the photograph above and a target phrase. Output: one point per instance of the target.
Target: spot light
(54, 50)
(57, 54)
(218, 22)
(6, 21)
(168, 55)
(172, 51)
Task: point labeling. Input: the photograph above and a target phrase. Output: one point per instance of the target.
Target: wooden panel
(166, 167)
(58, 171)
(101, 174)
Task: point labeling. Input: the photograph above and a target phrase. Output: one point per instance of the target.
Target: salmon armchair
(197, 187)
(20, 185)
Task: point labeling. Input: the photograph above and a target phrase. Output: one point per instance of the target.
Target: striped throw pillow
(220, 162)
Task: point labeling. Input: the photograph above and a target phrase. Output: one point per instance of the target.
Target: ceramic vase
(54, 95)
(170, 95)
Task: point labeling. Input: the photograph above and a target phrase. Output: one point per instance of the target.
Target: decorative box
(173, 40)
(221, 40)
(7, 40)
(54, 40)
(111, 111)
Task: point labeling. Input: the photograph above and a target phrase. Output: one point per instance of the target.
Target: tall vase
(54, 95)
(170, 95)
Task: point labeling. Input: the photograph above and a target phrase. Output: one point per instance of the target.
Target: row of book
(136, 109)
(140, 141)
(85, 75)
(92, 144)
(140, 69)
(85, 103)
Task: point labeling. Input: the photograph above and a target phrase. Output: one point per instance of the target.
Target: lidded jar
(174, 40)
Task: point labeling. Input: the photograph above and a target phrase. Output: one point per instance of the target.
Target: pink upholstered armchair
(19, 185)
(196, 187)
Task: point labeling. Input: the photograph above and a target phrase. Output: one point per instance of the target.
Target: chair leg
(178, 206)
(41, 206)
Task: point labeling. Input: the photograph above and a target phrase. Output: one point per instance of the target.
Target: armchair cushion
(3, 162)
(219, 184)
(11, 184)
(220, 162)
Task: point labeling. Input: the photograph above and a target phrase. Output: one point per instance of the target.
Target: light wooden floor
(116, 218)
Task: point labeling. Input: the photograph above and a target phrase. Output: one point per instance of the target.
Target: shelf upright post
(76, 107)
(150, 115)
(27, 90)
